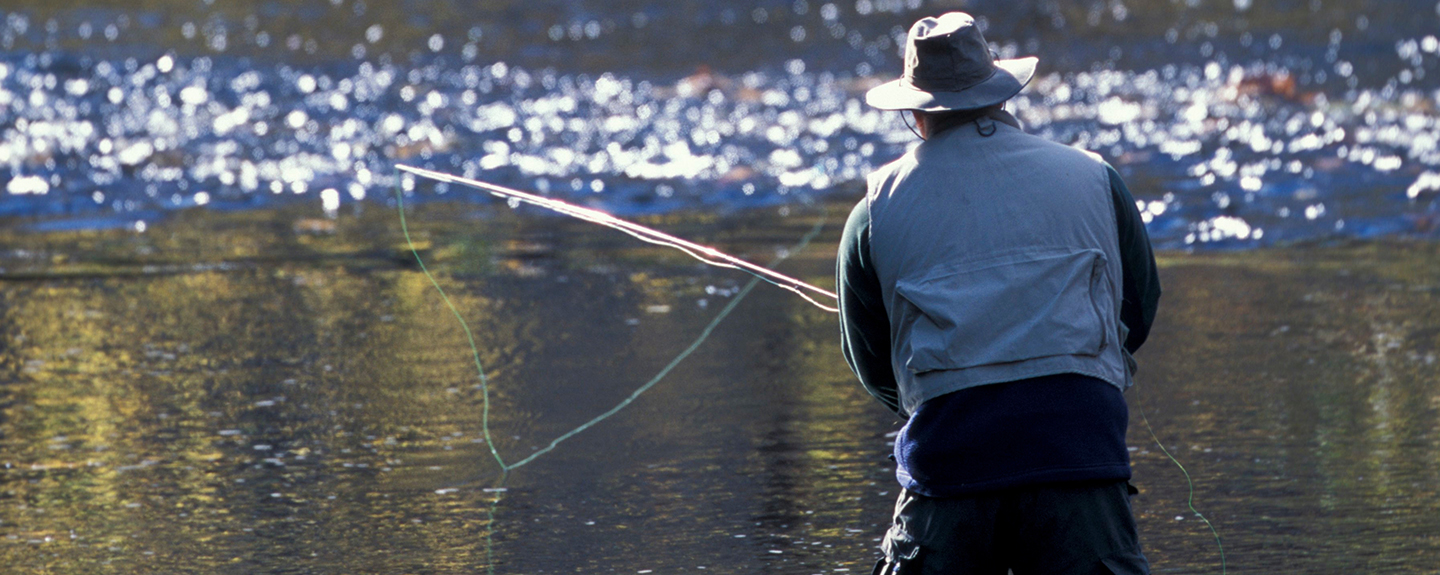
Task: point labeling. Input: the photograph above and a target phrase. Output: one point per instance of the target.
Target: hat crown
(949, 66)
(947, 54)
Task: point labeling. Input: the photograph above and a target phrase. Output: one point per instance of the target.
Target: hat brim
(1009, 78)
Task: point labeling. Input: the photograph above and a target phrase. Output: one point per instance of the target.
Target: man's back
(1009, 183)
(997, 256)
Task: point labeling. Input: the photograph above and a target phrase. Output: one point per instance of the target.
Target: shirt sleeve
(864, 325)
(1141, 281)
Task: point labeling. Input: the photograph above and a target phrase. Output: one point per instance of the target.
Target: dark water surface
(266, 392)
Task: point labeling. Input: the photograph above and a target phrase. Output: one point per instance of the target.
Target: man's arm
(864, 326)
(1141, 281)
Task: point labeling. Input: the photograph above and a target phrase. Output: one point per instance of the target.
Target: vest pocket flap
(1004, 309)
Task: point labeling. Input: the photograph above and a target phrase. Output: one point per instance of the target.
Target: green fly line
(485, 382)
(1190, 499)
(505, 468)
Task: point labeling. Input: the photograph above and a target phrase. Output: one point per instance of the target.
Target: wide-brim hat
(948, 66)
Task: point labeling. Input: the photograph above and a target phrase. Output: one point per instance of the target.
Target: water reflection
(1303, 398)
(315, 416)
(306, 411)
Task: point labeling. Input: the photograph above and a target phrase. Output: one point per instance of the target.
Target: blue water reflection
(1239, 125)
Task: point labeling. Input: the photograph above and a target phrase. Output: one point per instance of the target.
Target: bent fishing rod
(705, 254)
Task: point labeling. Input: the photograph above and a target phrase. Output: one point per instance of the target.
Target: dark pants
(1056, 529)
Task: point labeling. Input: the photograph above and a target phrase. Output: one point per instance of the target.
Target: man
(992, 288)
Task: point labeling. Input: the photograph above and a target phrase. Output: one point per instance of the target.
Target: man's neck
(939, 123)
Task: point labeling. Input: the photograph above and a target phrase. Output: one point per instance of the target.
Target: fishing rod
(705, 254)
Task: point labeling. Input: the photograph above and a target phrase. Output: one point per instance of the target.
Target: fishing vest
(998, 260)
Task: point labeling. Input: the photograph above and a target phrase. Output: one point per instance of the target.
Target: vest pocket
(1008, 308)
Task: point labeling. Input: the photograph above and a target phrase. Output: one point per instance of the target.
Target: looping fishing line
(704, 334)
(499, 487)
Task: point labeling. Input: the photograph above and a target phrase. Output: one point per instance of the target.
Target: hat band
(910, 83)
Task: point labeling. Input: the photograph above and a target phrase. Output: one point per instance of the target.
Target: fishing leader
(993, 286)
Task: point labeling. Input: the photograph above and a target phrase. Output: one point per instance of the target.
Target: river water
(1240, 124)
(239, 392)
(217, 354)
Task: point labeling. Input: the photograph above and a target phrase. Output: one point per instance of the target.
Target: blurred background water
(217, 354)
(1240, 123)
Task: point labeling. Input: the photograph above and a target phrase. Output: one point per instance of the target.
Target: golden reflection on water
(313, 407)
(1299, 387)
(310, 406)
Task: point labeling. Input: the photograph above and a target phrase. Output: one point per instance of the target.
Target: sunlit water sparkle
(1229, 152)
